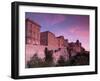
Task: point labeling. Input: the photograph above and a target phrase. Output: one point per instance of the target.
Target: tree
(61, 61)
(48, 57)
(35, 61)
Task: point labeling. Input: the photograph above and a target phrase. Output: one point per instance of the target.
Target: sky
(72, 27)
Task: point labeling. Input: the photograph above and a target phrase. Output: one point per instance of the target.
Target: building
(66, 43)
(32, 32)
(48, 39)
(60, 41)
(75, 47)
(37, 41)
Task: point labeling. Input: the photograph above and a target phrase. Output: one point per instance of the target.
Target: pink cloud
(79, 31)
(82, 34)
(54, 19)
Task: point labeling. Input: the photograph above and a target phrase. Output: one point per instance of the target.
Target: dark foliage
(35, 61)
(61, 61)
(48, 55)
(81, 58)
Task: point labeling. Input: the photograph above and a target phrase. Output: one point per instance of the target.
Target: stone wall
(60, 41)
(49, 39)
(32, 32)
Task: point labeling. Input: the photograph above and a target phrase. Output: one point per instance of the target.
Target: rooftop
(48, 32)
(33, 22)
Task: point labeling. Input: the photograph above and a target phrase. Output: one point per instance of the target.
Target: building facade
(37, 41)
(32, 32)
(61, 41)
(75, 47)
(48, 39)
(66, 43)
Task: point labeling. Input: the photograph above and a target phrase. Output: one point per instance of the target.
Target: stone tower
(32, 32)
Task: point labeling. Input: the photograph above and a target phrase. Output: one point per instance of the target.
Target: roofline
(60, 36)
(49, 32)
(32, 22)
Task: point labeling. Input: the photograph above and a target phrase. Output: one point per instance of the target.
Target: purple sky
(72, 27)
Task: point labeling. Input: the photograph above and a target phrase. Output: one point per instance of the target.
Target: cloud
(54, 19)
(80, 33)
(76, 30)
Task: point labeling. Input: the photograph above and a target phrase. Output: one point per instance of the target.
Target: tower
(32, 32)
